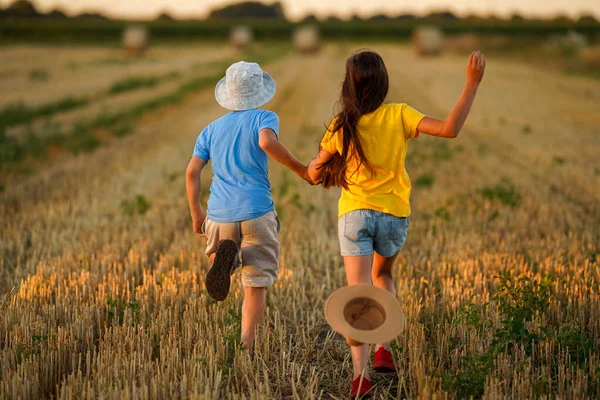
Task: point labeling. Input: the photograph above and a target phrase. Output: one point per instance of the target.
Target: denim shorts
(363, 232)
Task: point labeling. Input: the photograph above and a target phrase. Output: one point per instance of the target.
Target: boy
(241, 214)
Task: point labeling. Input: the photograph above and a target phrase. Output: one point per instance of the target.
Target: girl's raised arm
(451, 126)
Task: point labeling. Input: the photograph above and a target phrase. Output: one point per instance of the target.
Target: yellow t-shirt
(384, 135)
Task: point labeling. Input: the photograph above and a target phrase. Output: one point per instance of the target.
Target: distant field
(78, 31)
(102, 280)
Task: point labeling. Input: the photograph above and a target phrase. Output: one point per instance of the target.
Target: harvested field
(102, 279)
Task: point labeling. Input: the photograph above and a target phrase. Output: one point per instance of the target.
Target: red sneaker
(383, 361)
(360, 388)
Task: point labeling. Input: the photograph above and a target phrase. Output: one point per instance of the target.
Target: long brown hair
(364, 89)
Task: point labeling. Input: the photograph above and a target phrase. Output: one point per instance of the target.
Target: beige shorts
(258, 240)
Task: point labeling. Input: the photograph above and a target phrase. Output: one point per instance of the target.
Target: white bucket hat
(365, 314)
(245, 86)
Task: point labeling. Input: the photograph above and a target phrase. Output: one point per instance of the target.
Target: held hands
(475, 67)
(303, 173)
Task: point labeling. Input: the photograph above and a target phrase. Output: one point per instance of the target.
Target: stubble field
(102, 279)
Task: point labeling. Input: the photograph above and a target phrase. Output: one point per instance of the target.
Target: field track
(109, 300)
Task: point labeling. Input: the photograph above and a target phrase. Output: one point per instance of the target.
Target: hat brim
(245, 102)
(392, 326)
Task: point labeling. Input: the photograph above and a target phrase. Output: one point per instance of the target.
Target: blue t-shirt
(240, 189)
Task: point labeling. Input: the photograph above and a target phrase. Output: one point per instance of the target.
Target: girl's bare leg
(358, 270)
(382, 277)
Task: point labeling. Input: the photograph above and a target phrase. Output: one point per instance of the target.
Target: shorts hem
(386, 255)
(356, 253)
(257, 283)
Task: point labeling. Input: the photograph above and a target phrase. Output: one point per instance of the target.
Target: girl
(363, 152)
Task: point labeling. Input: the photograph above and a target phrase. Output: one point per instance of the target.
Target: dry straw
(109, 305)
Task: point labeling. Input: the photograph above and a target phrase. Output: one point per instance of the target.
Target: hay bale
(136, 40)
(428, 40)
(241, 37)
(569, 44)
(590, 58)
(307, 39)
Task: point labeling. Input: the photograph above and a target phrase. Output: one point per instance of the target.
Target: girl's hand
(303, 173)
(475, 68)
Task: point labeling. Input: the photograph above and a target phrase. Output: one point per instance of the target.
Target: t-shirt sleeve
(202, 148)
(329, 141)
(410, 121)
(270, 120)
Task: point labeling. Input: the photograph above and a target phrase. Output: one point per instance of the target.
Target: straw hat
(364, 314)
(245, 86)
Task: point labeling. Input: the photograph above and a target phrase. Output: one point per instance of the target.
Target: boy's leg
(253, 307)
(222, 248)
(260, 254)
(381, 275)
(358, 270)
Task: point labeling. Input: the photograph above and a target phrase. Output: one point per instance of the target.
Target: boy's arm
(192, 185)
(267, 140)
(451, 126)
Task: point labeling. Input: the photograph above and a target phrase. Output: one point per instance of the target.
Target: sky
(297, 9)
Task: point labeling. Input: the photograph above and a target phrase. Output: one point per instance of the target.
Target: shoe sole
(218, 278)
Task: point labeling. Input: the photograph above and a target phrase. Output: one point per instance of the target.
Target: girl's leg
(253, 307)
(358, 270)
(382, 277)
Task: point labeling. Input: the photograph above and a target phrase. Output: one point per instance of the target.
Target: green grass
(39, 75)
(20, 113)
(82, 137)
(139, 205)
(504, 192)
(424, 180)
(558, 160)
(133, 83)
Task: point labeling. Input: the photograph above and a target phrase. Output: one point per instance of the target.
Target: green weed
(442, 151)
(11, 150)
(472, 314)
(140, 205)
(20, 113)
(469, 380)
(526, 130)
(133, 83)
(519, 301)
(424, 180)
(233, 322)
(559, 160)
(505, 192)
(442, 213)
(116, 311)
(39, 75)
(576, 341)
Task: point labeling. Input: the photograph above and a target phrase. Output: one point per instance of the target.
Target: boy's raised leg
(253, 307)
